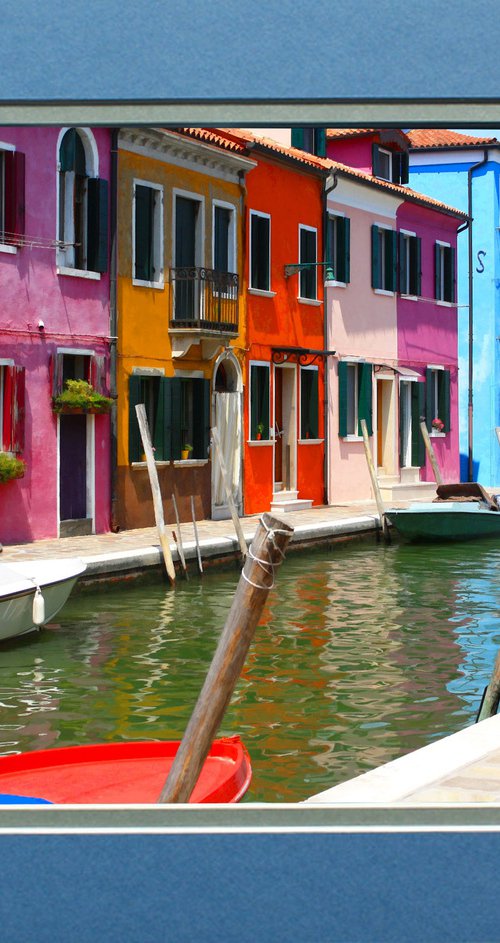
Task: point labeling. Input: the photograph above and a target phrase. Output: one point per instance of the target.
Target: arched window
(83, 206)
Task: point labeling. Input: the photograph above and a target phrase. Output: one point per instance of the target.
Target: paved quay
(127, 553)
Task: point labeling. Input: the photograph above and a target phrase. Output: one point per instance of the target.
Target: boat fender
(38, 607)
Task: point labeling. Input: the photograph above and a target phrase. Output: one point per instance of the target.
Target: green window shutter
(259, 243)
(201, 411)
(403, 286)
(417, 410)
(259, 400)
(97, 225)
(392, 261)
(365, 396)
(396, 167)
(331, 263)
(342, 398)
(134, 436)
(174, 420)
(309, 404)
(405, 166)
(222, 217)
(452, 277)
(344, 244)
(320, 142)
(437, 271)
(416, 257)
(144, 210)
(375, 258)
(428, 398)
(72, 153)
(375, 161)
(308, 251)
(444, 398)
(298, 138)
(162, 425)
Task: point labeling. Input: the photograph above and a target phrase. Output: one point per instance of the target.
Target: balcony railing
(204, 299)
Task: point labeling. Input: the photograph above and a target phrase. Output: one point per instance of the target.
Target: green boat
(463, 511)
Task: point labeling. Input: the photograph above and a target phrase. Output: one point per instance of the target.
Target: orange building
(284, 411)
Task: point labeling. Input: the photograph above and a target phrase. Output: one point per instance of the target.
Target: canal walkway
(126, 553)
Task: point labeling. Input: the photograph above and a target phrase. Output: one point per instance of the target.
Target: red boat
(133, 772)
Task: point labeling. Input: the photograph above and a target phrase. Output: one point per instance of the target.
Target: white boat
(32, 592)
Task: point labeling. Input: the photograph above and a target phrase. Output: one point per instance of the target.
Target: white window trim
(299, 296)
(158, 234)
(232, 248)
(261, 291)
(92, 168)
(258, 363)
(388, 228)
(433, 432)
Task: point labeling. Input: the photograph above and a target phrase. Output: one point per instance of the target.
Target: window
(260, 251)
(384, 258)
(83, 207)
(12, 407)
(410, 254)
(309, 424)
(311, 140)
(224, 250)
(445, 272)
(259, 401)
(178, 412)
(308, 253)
(338, 248)
(11, 196)
(390, 165)
(437, 398)
(148, 233)
(355, 397)
(78, 365)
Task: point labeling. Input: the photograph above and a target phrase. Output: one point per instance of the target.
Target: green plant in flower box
(80, 395)
(10, 467)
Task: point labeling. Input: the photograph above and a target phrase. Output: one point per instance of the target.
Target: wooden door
(72, 467)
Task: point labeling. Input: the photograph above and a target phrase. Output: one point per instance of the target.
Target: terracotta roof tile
(440, 137)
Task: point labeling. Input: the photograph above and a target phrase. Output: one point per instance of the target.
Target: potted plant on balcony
(79, 396)
(10, 467)
(186, 451)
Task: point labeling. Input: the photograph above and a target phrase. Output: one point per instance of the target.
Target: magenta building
(54, 326)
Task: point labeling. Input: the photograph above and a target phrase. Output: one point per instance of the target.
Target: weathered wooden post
(180, 545)
(491, 697)
(430, 452)
(375, 484)
(198, 551)
(257, 578)
(155, 489)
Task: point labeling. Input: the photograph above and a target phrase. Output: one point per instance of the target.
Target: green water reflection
(363, 653)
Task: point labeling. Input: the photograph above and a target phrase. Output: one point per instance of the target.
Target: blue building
(464, 171)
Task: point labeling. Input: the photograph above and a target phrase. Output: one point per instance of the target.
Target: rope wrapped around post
(257, 578)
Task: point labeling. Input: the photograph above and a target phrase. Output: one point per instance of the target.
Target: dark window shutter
(259, 403)
(403, 286)
(259, 275)
(162, 426)
(221, 238)
(428, 398)
(444, 399)
(6, 443)
(345, 249)
(342, 398)
(18, 408)
(375, 160)
(396, 167)
(201, 409)
(365, 396)
(134, 436)
(175, 418)
(309, 404)
(392, 261)
(416, 259)
(375, 258)
(405, 166)
(144, 209)
(320, 142)
(56, 367)
(97, 225)
(14, 193)
(308, 254)
(451, 276)
(331, 262)
(437, 271)
(98, 373)
(417, 410)
(298, 138)
(67, 151)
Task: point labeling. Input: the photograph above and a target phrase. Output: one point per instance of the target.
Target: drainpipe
(326, 463)
(473, 167)
(113, 319)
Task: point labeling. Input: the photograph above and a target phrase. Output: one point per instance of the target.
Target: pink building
(391, 317)
(54, 326)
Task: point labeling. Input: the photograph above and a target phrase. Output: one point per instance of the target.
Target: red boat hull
(131, 773)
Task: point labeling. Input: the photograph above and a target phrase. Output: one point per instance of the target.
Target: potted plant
(186, 451)
(260, 430)
(437, 425)
(80, 396)
(11, 467)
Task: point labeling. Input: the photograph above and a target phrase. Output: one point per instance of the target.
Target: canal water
(364, 653)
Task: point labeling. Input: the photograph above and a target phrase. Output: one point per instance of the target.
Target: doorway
(227, 419)
(385, 426)
(75, 459)
(285, 428)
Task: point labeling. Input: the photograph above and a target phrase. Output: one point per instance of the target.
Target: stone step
(409, 491)
(292, 504)
(283, 495)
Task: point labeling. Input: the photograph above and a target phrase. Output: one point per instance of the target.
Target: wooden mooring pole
(430, 452)
(257, 578)
(155, 489)
(180, 545)
(375, 484)
(195, 527)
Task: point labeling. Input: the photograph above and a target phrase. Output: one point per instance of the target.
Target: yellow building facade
(180, 321)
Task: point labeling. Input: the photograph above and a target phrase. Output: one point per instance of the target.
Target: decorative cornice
(173, 148)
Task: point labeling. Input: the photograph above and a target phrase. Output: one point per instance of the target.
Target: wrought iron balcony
(204, 299)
